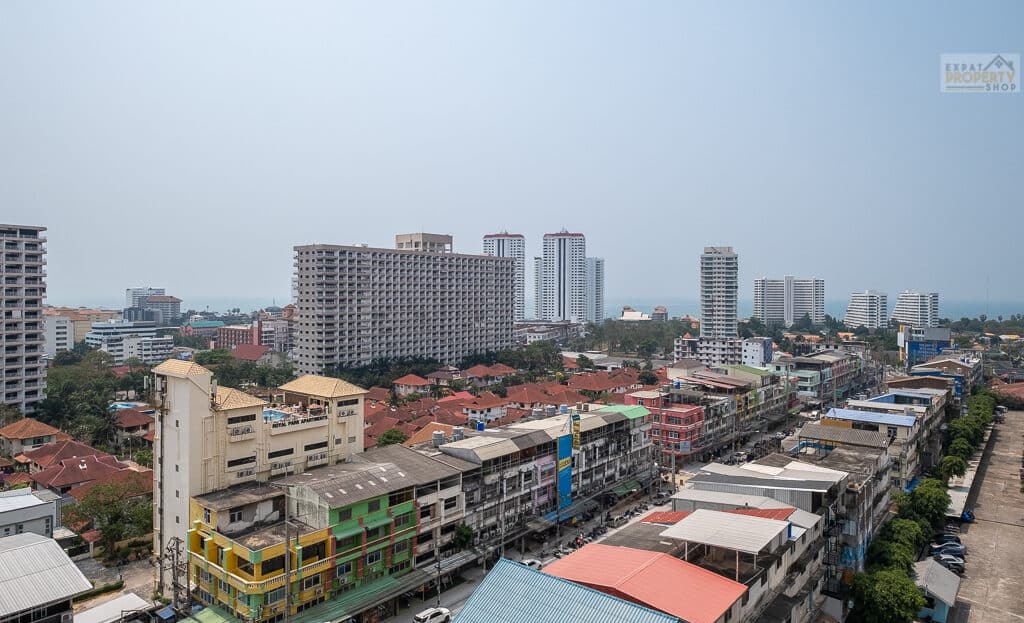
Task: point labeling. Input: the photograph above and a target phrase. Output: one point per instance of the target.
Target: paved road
(137, 576)
(992, 590)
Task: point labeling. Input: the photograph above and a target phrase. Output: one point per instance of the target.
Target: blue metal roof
(512, 592)
(874, 418)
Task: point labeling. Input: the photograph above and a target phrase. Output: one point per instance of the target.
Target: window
(275, 595)
(373, 506)
(344, 569)
(19, 528)
(274, 564)
(345, 514)
(235, 515)
(373, 558)
(278, 453)
(400, 547)
(206, 516)
(242, 461)
(310, 582)
(223, 587)
(352, 439)
(314, 551)
(177, 493)
(403, 520)
(451, 503)
(347, 543)
(315, 446)
(238, 419)
(346, 403)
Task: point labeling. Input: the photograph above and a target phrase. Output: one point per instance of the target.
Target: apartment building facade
(560, 278)
(209, 438)
(787, 300)
(868, 309)
(917, 309)
(719, 292)
(595, 289)
(126, 339)
(532, 475)
(356, 530)
(513, 246)
(24, 288)
(357, 304)
(60, 335)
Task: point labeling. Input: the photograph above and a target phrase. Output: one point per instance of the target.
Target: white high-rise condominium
(513, 246)
(561, 278)
(595, 289)
(136, 297)
(917, 309)
(356, 304)
(868, 309)
(787, 300)
(23, 369)
(719, 288)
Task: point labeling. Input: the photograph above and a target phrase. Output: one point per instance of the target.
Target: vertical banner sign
(564, 471)
(575, 431)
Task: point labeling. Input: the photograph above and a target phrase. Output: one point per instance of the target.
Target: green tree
(463, 536)
(9, 414)
(584, 362)
(67, 358)
(930, 501)
(391, 436)
(904, 531)
(648, 377)
(886, 596)
(886, 554)
(144, 457)
(213, 357)
(118, 512)
(962, 448)
(952, 465)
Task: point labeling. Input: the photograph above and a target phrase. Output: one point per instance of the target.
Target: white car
(434, 615)
(532, 563)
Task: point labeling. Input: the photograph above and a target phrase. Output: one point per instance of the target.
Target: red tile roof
(604, 381)
(93, 536)
(16, 478)
(121, 371)
(412, 379)
(568, 363)
(652, 579)
(456, 397)
(128, 481)
(132, 418)
(380, 394)
(53, 453)
(1015, 390)
(78, 471)
(668, 518)
(486, 400)
(150, 436)
(27, 428)
(249, 352)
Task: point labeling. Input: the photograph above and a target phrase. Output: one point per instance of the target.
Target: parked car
(955, 549)
(532, 563)
(953, 563)
(662, 498)
(620, 520)
(433, 615)
(946, 537)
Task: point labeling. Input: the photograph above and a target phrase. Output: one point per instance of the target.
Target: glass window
(373, 557)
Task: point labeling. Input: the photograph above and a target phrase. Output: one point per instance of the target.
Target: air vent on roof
(81, 465)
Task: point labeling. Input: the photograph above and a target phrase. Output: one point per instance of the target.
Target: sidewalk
(453, 598)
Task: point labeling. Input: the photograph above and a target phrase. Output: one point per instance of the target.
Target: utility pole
(437, 556)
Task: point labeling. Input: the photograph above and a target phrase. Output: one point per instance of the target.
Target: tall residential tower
(595, 289)
(868, 309)
(917, 309)
(357, 304)
(787, 300)
(719, 288)
(24, 371)
(561, 278)
(513, 246)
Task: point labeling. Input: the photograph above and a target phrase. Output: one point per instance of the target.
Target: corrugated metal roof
(630, 411)
(888, 419)
(657, 580)
(112, 610)
(728, 530)
(739, 500)
(512, 593)
(937, 580)
(851, 436)
(763, 482)
(34, 571)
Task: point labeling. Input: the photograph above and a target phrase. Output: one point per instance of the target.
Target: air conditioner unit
(319, 591)
(67, 617)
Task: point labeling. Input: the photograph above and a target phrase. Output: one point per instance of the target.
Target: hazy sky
(191, 145)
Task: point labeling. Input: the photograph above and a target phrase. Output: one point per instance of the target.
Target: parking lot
(992, 590)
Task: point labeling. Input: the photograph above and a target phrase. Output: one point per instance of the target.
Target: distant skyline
(163, 149)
